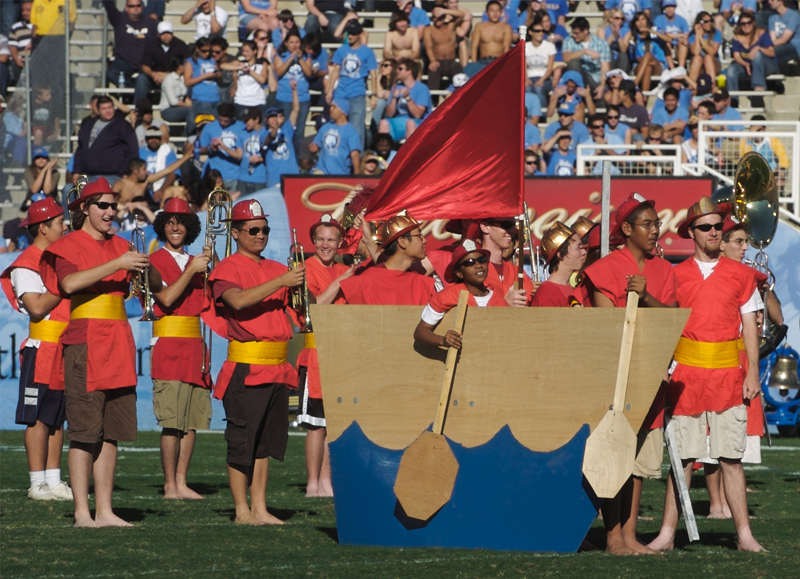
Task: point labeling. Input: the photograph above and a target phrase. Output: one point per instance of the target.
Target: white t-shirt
(204, 22)
(26, 281)
(249, 92)
(537, 57)
(755, 302)
(432, 317)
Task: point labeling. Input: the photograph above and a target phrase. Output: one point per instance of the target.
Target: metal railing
(640, 160)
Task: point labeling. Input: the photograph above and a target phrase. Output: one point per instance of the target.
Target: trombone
(141, 283)
(299, 295)
(219, 207)
(75, 193)
(528, 240)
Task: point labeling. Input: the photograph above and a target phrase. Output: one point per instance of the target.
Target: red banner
(549, 199)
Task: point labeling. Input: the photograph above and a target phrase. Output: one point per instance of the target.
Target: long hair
(293, 32)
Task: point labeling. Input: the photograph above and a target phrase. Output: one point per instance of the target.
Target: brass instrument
(219, 207)
(141, 283)
(299, 295)
(75, 193)
(528, 240)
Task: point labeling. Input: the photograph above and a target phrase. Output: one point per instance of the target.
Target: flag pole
(521, 255)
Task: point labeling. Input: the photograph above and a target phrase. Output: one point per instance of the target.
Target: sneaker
(41, 493)
(62, 492)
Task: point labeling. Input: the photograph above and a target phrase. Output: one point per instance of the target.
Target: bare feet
(618, 547)
(111, 520)
(637, 546)
(185, 492)
(247, 520)
(722, 515)
(312, 489)
(663, 542)
(749, 544)
(325, 488)
(85, 521)
(268, 519)
(171, 492)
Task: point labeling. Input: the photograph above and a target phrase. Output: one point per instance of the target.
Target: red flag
(465, 159)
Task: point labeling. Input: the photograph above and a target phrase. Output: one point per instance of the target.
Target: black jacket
(112, 149)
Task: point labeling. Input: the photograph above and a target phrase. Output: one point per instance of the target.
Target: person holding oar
(634, 268)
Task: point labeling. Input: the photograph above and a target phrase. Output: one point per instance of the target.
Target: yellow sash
(707, 354)
(46, 330)
(177, 327)
(740, 344)
(97, 307)
(310, 342)
(263, 353)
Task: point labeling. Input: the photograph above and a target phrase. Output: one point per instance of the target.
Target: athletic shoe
(62, 492)
(41, 493)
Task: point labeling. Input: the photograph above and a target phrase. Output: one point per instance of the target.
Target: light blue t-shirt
(677, 25)
(421, 96)
(355, 65)
(717, 39)
(662, 117)
(533, 105)
(556, 8)
(251, 145)
(629, 7)
(260, 4)
(790, 20)
(730, 114)
(232, 138)
(151, 158)
(418, 17)
(205, 91)
(638, 48)
(532, 135)
(579, 132)
(335, 143)
(280, 155)
(561, 164)
(277, 37)
(610, 138)
(749, 5)
(295, 72)
(684, 100)
(620, 133)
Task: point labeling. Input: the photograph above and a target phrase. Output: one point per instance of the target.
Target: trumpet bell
(784, 374)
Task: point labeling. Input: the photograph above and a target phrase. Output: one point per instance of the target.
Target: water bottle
(121, 80)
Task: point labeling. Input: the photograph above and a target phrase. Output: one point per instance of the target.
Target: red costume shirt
(552, 295)
(501, 283)
(381, 286)
(447, 299)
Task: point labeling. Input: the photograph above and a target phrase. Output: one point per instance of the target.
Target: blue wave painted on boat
(505, 497)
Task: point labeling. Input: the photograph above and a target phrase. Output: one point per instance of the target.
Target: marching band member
(323, 276)
(181, 395)
(497, 235)
(634, 268)
(40, 408)
(709, 385)
(468, 270)
(93, 268)
(564, 254)
(392, 281)
(250, 298)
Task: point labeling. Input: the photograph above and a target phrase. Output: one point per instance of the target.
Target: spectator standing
(293, 64)
(306, 158)
(200, 74)
(441, 45)
(5, 61)
(562, 159)
(703, 45)
(225, 80)
(155, 62)
(352, 64)
(221, 140)
(672, 117)
(784, 30)
(753, 55)
(589, 55)
(462, 30)
(105, 144)
(251, 76)
(175, 105)
(629, 8)
(48, 16)
(132, 34)
(45, 122)
(633, 114)
(157, 156)
(490, 39)
(417, 17)
(252, 170)
(617, 33)
(146, 121)
(40, 176)
(277, 148)
(20, 42)
(258, 15)
(566, 120)
(210, 19)
(337, 142)
(675, 26)
(539, 61)
(409, 104)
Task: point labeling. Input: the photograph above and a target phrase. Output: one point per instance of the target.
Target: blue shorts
(36, 401)
(397, 127)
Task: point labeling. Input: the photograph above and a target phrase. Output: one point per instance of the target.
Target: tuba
(141, 283)
(219, 207)
(299, 295)
(80, 182)
(753, 201)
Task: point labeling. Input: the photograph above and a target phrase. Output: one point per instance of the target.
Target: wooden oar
(611, 448)
(428, 468)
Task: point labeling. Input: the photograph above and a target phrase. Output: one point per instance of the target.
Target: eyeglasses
(745, 22)
(103, 205)
(706, 227)
(649, 224)
(253, 231)
(610, 118)
(658, 139)
(473, 260)
(706, 21)
(598, 126)
(419, 235)
(537, 30)
(133, 5)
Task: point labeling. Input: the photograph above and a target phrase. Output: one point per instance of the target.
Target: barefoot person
(634, 268)
(490, 39)
(250, 299)
(709, 385)
(96, 359)
(181, 396)
(324, 275)
(40, 408)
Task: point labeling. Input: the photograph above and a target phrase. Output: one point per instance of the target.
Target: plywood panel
(543, 371)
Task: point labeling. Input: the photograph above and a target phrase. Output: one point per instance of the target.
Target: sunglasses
(133, 6)
(598, 126)
(203, 50)
(692, 127)
(706, 227)
(217, 51)
(386, 65)
(537, 30)
(261, 38)
(745, 22)
(473, 260)
(253, 231)
(530, 162)
(103, 205)
(506, 225)
(706, 21)
(562, 114)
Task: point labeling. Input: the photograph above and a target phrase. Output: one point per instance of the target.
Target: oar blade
(609, 455)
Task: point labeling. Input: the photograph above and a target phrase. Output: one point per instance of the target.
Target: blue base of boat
(506, 497)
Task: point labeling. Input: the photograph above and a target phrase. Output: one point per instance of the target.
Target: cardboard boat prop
(530, 387)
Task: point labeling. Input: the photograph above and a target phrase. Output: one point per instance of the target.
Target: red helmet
(41, 211)
(177, 205)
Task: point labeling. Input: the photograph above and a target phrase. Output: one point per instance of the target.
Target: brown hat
(93, 189)
(700, 209)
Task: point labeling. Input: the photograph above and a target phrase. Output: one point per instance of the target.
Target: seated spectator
(654, 138)
(462, 30)
(409, 102)
(617, 33)
(372, 165)
(221, 140)
(5, 61)
(210, 19)
(253, 169)
(384, 147)
(145, 121)
(225, 79)
(156, 156)
(589, 55)
(337, 143)
(705, 112)
(252, 76)
(676, 28)
(155, 62)
(770, 148)
(558, 10)
(136, 181)
(724, 110)
(753, 55)
(258, 15)
(14, 141)
(672, 117)
(312, 47)
(417, 17)
(323, 20)
(616, 128)
(633, 114)
(45, 122)
(703, 45)
(532, 140)
(649, 53)
(689, 147)
(200, 74)
(702, 92)
(532, 11)
(510, 16)
(400, 41)
(387, 78)
(629, 8)
(570, 90)
(341, 30)
(534, 166)
(105, 144)
(40, 176)
(277, 148)
(598, 136)
(539, 62)
(680, 81)
(613, 94)
(16, 235)
(490, 39)
(553, 31)
(175, 105)
(132, 34)
(286, 23)
(20, 42)
(784, 30)
(730, 11)
(133, 213)
(566, 121)
(562, 158)
(441, 45)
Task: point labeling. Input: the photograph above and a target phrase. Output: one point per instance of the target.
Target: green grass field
(196, 539)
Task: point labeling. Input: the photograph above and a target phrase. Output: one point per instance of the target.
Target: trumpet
(299, 295)
(219, 206)
(528, 240)
(80, 182)
(141, 283)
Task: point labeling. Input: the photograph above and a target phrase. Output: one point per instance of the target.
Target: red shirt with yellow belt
(44, 332)
(709, 374)
(97, 314)
(178, 351)
(259, 335)
(755, 416)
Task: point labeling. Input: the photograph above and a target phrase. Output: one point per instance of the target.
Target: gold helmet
(554, 239)
(700, 209)
(582, 225)
(396, 226)
(376, 230)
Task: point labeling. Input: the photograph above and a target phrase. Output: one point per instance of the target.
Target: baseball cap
(40, 152)
(460, 80)
(353, 27)
(665, 3)
(343, 104)
(704, 84)
(567, 108)
(272, 112)
(165, 26)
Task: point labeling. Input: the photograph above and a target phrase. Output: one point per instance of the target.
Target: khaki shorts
(752, 452)
(649, 454)
(181, 406)
(726, 432)
(100, 415)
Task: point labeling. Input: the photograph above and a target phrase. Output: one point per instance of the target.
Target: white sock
(37, 478)
(52, 476)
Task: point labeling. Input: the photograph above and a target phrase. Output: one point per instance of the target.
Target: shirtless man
(400, 41)
(134, 183)
(489, 40)
(441, 41)
(462, 30)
